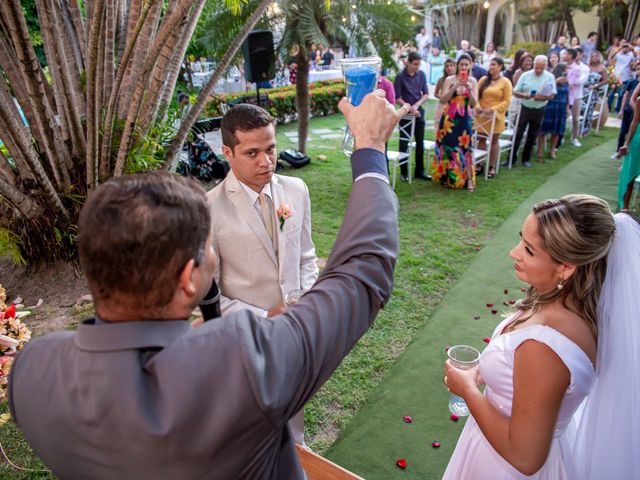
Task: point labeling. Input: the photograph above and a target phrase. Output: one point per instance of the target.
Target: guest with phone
(452, 164)
(535, 88)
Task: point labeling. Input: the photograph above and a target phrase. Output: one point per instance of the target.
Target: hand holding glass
(463, 357)
(292, 297)
(360, 78)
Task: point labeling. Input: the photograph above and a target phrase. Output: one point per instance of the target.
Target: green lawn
(441, 232)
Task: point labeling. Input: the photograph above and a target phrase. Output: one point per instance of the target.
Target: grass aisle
(377, 436)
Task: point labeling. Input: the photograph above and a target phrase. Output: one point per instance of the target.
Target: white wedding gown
(474, 458)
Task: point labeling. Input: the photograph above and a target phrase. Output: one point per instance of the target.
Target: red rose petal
(486, 339)
(511, 302)
(454, 417)
(402, 463)
(477, 317)
(407, 419)
(489, 305)
(435, 444)
(523, 289)
(494, 311)
(10, 312)
(506, 291)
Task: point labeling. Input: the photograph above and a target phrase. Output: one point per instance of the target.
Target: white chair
(406, 131)
(485, 124)
(602, 98)
(508, 136)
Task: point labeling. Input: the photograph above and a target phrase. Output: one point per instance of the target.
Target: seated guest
(494, 97)
(555, 114)
(477, 71)
(137, 393)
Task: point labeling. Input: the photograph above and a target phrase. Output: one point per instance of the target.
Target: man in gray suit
(137, 393)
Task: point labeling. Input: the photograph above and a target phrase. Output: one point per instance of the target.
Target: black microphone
(210, 305)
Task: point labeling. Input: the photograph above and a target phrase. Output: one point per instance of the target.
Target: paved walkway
(377, 436)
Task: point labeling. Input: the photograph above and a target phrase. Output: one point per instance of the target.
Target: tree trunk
(208, 88)
(302, 98)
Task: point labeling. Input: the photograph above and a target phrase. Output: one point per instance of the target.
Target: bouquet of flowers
(13, 336)
(614, 82)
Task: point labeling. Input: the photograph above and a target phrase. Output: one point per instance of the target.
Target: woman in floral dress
(453, 159)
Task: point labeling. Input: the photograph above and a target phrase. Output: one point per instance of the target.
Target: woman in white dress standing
(539, 364)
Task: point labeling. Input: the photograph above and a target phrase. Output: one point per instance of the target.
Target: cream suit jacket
(248, 273)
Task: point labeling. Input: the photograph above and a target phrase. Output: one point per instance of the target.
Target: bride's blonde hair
(577, 230)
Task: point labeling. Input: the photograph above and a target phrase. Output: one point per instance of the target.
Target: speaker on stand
(259, 58)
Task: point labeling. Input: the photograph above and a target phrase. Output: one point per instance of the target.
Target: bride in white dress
(541, 362)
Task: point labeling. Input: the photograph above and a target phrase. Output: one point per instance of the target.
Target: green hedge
(324, 96)
(534, 48)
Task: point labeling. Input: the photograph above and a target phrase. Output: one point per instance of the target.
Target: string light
(353, 6)
(486, 4)
(344, 19)
(413, 18)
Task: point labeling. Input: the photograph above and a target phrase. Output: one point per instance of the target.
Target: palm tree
(112, 68)
(370, 26)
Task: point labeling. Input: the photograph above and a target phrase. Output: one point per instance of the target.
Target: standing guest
(436, 40)
(411, 88)
(574, 79)
(554, 59)
(535, 88)
(555, 114)
(626, 113)
(422, 39)
(436, 61)
(622, 70)
(135, 392)
(259, 261)
(452, 163)
(477, 70)
(590, 45)
(464, 49)
(488, 55)
(575, 42)
(328, 59)
(385, 85)
(494, 96)
(526, 64)
(514, 65)
(559, 45)
(449, 70)
(584, 77)
(598, 74)
(293, 72)
(631, 164)
(573, 336)
(613, 49)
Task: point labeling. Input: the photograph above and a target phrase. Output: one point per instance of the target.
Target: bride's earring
(560, 285)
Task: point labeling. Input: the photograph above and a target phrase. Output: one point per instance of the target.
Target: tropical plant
(370, 26)
(537, 18)
(113, 66)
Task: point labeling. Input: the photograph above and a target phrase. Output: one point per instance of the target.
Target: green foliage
(33, 25)
(148, 153)
(534, 48)
(552, 10)
(282, 100)
(10, 246)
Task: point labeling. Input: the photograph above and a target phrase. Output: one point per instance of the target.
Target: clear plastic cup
(360, 78)
(292, 297)
(463, 357)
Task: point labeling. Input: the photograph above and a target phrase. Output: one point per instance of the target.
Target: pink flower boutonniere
(284, 212)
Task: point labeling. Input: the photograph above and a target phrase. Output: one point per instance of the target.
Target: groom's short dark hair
(244, 117)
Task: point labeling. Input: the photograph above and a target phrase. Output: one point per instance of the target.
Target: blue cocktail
(360, 78)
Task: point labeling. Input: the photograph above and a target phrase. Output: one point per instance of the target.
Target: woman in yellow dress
(494, 95)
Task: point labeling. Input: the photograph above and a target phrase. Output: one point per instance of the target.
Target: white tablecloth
(318, 75)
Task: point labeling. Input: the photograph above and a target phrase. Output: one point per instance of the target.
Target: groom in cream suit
(261, 224)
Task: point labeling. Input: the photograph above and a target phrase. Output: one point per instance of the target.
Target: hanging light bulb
(344, 19)
(486, 4)
(413, 18)
(353, 6)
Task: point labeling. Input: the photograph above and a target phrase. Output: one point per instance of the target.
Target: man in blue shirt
(535, 88)
(411, 88)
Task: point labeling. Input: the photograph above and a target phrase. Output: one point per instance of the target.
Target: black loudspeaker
(259, 57)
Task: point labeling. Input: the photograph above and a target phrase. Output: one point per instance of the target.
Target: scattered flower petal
(407, 419)
(506, 291)
(435, 444)
(523, 289)
(489, 305)
(454, 417)
(477, 317)
(402, 463)
(494, 311)
(511, 302)
(486, 339)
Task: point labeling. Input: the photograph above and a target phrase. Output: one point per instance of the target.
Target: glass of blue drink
(360, 78)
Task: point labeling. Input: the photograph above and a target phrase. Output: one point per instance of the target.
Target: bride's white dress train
(474, 458)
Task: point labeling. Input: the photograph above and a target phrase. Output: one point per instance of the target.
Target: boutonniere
(284, 212)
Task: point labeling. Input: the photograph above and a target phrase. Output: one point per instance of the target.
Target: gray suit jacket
(159, 400)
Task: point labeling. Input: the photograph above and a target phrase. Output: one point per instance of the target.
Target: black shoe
(404, 178)
(422, 176)
(527, 164)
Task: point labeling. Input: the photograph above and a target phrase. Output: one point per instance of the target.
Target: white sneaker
(615, 156)
(576, 142)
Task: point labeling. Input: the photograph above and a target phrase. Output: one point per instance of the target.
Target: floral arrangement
(13, 337)
(284, 212)
(614, 82)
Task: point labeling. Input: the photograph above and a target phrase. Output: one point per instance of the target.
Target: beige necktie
(267, 216)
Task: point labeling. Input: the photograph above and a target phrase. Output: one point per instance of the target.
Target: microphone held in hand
(210, 305)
